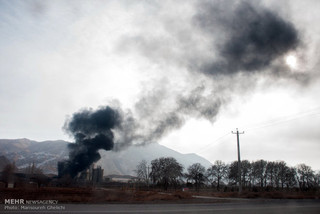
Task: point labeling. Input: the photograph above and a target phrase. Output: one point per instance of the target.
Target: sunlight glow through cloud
(291, 61)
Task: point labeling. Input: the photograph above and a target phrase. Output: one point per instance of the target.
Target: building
(94, 175)
(97, 175)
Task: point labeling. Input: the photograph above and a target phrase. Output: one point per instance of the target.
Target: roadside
(132, 196)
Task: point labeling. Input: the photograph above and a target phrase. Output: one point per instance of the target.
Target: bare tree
(270, 173)
(8, 173)
(217, 172)
(305, 175)
(32, 169)
(233, 173)
(316, 179)
(274, 174)
(259, 172)
(196, 172)
(246, 173)
(166, 172)
(291, 175)
(283, 170)
(35, 174)
(142, 171)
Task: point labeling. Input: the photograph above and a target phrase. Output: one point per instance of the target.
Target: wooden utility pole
(239, 161)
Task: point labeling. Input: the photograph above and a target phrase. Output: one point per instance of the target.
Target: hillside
(46, 154)
(124, 162)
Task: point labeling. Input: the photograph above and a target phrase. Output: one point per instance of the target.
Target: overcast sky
(197, 69)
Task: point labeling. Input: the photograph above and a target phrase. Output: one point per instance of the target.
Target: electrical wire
(285, 119)
(276, 121)
(213, 143)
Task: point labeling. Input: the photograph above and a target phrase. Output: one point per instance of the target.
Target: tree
(259, 172)
(32, 169)
(196, 172)
(305, 176)
(166, 172)
(246, 172)
(8, 173)
(316, 179)
(142, 172)
(283, 171)
(35, 174)
(233, 173)
(290, 180)
(270, 173)
(217, 172)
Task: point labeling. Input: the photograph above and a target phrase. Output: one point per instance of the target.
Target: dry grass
(156, 196)
(263, 194)
(48, 193)
(89, 195)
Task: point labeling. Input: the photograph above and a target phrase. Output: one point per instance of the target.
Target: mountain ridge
(46, 154)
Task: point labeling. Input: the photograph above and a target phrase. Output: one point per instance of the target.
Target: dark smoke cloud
(92, 131)
(253, 36)
(156, 119)
(246, 38)
(200, 105)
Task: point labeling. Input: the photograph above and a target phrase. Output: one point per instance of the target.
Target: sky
(184, 74)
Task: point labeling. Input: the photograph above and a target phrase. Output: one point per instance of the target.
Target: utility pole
(239, 161)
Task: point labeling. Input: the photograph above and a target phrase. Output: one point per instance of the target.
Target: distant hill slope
(125, 162)
(46, 154)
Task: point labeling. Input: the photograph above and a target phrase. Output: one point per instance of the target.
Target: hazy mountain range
(46, 154)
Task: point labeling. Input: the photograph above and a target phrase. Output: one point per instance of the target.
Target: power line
(285, 119)
(213, 142)
(272, 122)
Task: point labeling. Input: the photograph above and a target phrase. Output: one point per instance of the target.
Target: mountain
(46, 155)
(125, 162)
(24, 152)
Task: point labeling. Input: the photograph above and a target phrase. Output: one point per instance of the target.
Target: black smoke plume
(253, 36)
(245, 38)
(153, 120)
(92, 131)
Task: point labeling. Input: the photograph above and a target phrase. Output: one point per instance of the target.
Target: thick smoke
(92, 130)
(154, 119)
(246, 38)
(253, 37)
